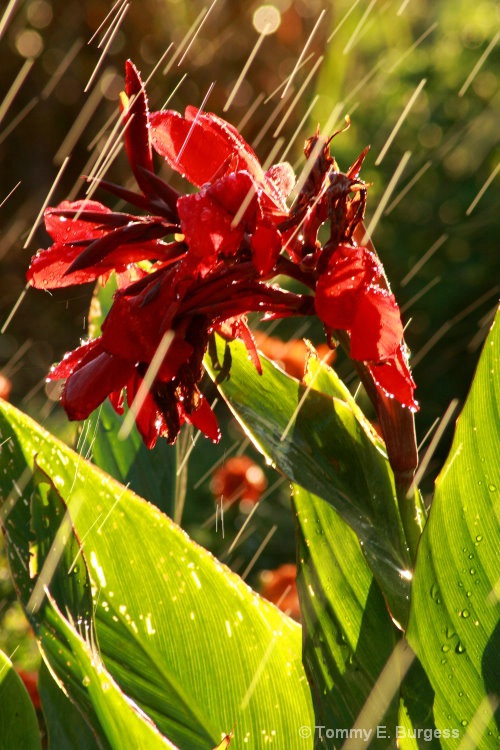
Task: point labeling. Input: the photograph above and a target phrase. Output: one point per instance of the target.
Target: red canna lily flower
(196, 264)
(237, 197)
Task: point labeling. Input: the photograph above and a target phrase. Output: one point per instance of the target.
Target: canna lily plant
(146, 639)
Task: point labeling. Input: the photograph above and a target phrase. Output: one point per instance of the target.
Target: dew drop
(435, 594)
(445, 648)
(492, 487)
(479, 538)
(464, 613)
(459, 649)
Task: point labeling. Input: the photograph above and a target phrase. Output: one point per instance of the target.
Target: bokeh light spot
(266, 19)
(39, 14)
(29, 43)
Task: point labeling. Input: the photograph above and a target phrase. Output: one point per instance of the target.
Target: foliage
(142, 636)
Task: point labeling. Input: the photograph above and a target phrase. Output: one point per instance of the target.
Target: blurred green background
(371, 60)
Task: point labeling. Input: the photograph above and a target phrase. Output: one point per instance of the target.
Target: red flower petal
(132, 333)
(266, 246)
(376, 330)
(135, 116)
(149, 419)
(347, 297)
(64, 229)
(236, 328)
(206, 217)
(198, 144)
(89, 385)
(338, 290)
(74, 359)
(204, 419)
(395, 379)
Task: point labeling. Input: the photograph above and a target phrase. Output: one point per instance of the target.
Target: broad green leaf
(18, 722)
(122, 723)
(326, 448)
(348, 633)
(74, 733)
(453, 626)
(171, 622)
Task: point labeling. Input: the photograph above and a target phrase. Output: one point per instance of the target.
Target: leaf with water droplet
(460, 503)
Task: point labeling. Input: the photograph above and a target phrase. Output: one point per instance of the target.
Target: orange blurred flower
(239, 478)
(279, 587)
(291, 356)
(5, 387)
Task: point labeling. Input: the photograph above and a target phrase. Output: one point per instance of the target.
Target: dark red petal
(135, 116)
(137, 234)
(197, 148)
(88, 385)
(64, 229)
(395, 379)
(133, 330)
(149, 419)
(206, 217)
(204, 419)
(236, 328)
(266, 245)
(339, 290)
(48, 268)
(73, 359)
(376, 330)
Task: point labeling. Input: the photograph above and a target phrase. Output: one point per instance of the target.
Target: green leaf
(18, 722)
(326, 447)
(123, 725)
(453, 626)
(149, 473)
(171, 622)
(74, 733)
(348, 634)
